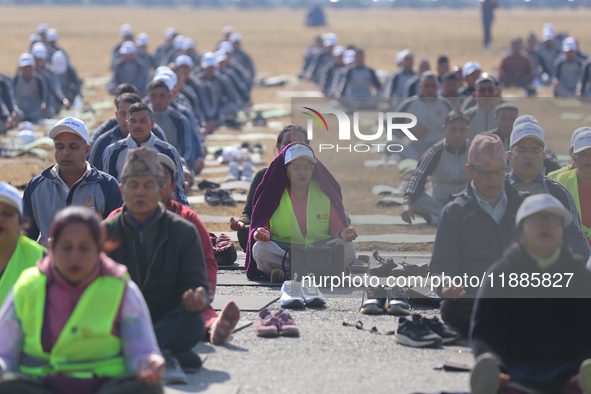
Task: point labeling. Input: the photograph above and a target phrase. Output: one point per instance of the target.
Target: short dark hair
(158, 83)
(506, 107)
(451, 75)
(453, 115)
(359, 50)
(289, 127)
(125, 88)
(139, 107)
(442, 59)
(77, 215)
(130, 98)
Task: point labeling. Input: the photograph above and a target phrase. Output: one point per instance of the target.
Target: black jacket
(468, 239)
(177, 264)
(536, 324)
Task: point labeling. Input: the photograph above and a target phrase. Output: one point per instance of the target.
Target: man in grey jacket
(527, 157)
(445, 165)
(164, 256)
(474, 230)
(72, 181)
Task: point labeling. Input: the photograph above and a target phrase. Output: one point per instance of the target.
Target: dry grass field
(276, 39)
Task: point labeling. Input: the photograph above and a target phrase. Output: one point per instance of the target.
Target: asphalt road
(328, 357)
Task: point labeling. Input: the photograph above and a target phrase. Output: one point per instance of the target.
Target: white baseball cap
(170, 83)
(177, 42)
(338, 50)
(525, 119)
(125, 30)
(39, 50)
(52, 35)
(469, 68)
(169, 33)
(171, 78)
(42, 28)
(349, 56)
(167, 161)
(582, 142)
(548, 26)
(576, 133)
(527, 130)
(296, 151)
(235, 37)
(26, 59)
(208, 60)
(226, 46)
(569, 44)
(142, 40)
(189, 43)
(329, 41)
(227, 30)
(34, 38)
(70, 125)
(220, 56)
(547, 34)
(184, 60)
(128, 48)
(10, 195)
(543, 202)
(59, 62)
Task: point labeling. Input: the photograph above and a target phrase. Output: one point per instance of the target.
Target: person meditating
(297, 202)
(17, 252)
(75, 323)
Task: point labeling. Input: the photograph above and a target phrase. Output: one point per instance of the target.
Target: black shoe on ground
(410, 270)
(412, 332)
(205, 184)
(447, 335)
(226, 197)
(375, 301)
(212, 198)
(398, 303)
(189, 360)
(383, 270)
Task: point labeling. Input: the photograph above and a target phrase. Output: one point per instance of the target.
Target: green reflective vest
(284, 224)
(571, 182)
(26, 254)
(85, 348)
(554, 174)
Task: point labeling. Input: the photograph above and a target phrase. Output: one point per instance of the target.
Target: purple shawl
(268, 195)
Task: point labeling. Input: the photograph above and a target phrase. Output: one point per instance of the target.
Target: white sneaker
(313, 297)
(485, 378)
(174, 374)
(291, 295)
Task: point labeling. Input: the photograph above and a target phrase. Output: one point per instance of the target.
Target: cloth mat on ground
(200, 388)
(245, 303)
(382, 219)
(397, 238)
(242, 280)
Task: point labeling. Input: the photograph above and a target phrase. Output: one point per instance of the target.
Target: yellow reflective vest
(284, 224)
(571, 182)
(85, 348)
(26, 254)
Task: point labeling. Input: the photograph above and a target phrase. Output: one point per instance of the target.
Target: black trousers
(457, 314)
(179, 331)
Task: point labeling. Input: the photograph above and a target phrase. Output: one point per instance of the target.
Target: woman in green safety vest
(578, 180)
(75, 323)
(17, 252)
(299, 202)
